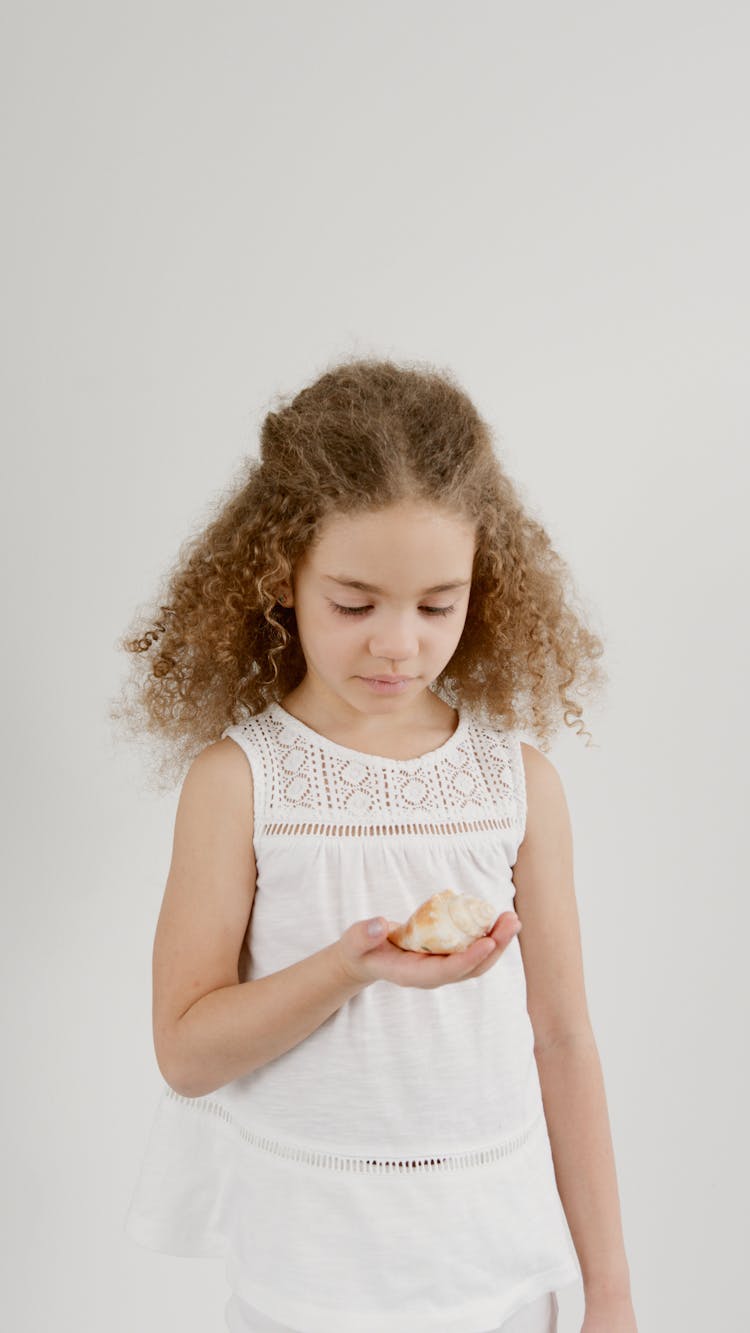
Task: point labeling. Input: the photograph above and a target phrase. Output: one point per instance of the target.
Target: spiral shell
(447, 922)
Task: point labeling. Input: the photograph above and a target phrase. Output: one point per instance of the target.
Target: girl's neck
(388, 736)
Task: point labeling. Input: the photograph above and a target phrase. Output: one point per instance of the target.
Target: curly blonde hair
(216, 647)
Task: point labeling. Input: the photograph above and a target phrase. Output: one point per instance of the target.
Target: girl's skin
(403, 551)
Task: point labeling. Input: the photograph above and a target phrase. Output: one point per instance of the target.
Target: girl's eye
(360, 610)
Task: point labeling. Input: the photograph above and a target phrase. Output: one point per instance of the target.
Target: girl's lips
(388, 685)
(388, 680)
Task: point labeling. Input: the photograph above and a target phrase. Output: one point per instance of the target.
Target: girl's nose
(396, 642)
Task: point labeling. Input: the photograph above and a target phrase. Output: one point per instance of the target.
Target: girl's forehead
(377, 552)
(410, 523)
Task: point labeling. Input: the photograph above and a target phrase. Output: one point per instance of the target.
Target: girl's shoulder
(539, 771)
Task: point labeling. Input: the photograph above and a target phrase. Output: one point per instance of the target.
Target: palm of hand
(428, 971)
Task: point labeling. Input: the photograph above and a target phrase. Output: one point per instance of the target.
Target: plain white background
(203, 206)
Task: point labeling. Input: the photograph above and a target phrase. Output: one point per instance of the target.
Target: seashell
(447, 922)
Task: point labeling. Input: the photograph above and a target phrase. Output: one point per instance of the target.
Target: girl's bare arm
(209, 1027)
(238, 1028)
(564, 1046)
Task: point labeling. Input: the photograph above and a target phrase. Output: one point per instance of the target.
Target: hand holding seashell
(450, 937)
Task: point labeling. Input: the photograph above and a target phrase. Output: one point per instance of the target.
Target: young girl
(375, 1140)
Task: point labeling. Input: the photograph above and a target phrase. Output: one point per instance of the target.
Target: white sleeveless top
(393, 1170)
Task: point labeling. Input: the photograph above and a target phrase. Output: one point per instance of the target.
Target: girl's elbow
(174, 1075)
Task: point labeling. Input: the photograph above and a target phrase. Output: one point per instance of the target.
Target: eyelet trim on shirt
(373, 830)
(477, 1157)
(476, 775)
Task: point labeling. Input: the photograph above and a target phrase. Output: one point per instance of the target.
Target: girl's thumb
(374, 932)
(361, 937)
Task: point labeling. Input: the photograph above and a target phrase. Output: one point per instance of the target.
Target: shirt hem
(476, 1317)
(138, 1230)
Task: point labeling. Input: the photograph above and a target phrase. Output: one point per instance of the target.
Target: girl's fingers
(442, 969)
(489, 956)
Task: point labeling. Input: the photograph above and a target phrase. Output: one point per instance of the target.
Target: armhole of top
(239, 734)
(519, 786)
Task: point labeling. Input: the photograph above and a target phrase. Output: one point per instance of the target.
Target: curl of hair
(216, 647)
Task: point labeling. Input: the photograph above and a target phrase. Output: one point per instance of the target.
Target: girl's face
(417, 563)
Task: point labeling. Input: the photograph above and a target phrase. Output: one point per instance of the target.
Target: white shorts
(539, 1316)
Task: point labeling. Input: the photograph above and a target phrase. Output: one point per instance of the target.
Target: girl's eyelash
(359, 610)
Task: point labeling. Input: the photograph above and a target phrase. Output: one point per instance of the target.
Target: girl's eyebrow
(368, 587)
